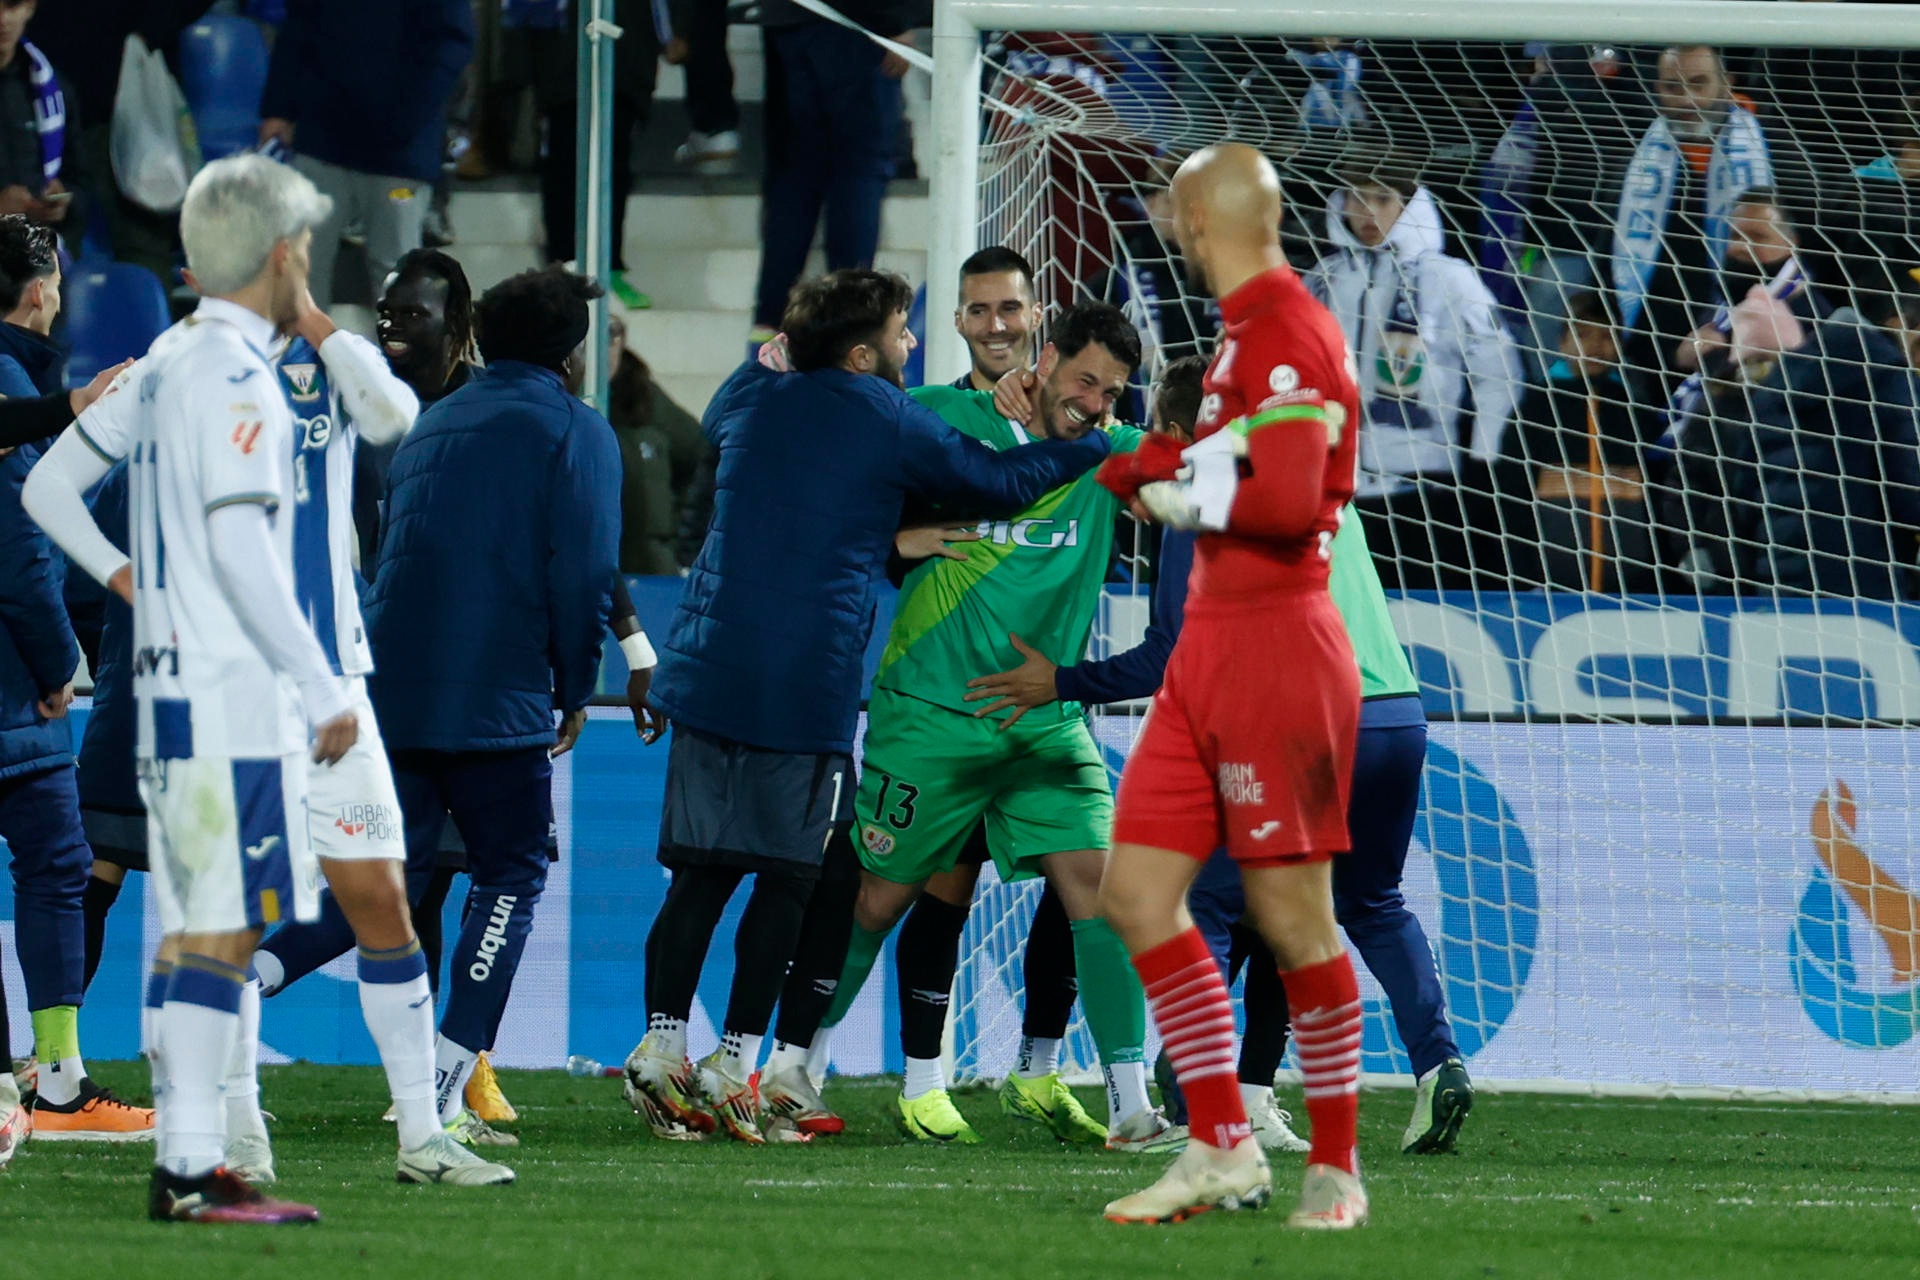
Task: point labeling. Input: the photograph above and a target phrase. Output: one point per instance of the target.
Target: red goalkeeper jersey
(1282, 369)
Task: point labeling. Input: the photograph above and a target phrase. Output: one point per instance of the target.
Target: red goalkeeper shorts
(1249, 742)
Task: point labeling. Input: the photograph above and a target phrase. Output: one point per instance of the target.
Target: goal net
(1634, 312)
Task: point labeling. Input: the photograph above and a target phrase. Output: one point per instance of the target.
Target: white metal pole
(954, 190)
(1749, 22)
(594, 155)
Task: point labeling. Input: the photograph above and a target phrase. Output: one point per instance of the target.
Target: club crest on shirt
(303, 379)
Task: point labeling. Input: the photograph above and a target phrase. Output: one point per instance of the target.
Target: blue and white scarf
(1333, 102)
(1506, 193)
(1739, 162)
(49, 110)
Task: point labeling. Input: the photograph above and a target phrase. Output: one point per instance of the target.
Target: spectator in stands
(1897, 314)
(30, 361)
(1800, 472)
(359, 90)
(1439, 376)
(84, 41)
(1763, 252)
(554, 47)
(661, 449)
(699, 43)
(1581, 439)
(1874, 218)
(833, 113)
(1702, 150)
(1547, 190)
(42, 171)
(1149, 281)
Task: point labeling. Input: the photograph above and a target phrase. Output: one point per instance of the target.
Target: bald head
(1226, 212)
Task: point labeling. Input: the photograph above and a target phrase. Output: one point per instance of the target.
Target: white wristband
(638, 651)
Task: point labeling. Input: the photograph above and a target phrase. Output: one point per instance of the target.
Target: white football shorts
(227, 843)
(354, 812)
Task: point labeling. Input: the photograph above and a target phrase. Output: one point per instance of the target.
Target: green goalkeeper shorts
(928, 775)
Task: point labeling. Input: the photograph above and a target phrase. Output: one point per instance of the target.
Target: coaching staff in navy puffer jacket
(761, 670)
(501, 536)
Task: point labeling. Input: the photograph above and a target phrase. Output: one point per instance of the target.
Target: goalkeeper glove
(1157, 458)
(1191, 488)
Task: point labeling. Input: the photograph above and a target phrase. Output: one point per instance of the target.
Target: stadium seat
(223, 67)
(113, 310)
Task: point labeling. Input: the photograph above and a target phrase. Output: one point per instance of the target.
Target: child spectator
(1581, 440)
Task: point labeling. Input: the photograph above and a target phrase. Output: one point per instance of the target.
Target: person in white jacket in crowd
(1439, 375)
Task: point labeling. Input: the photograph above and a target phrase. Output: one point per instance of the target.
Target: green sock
(56, 1033)
(1110, 993)
(56, 1041)
(862, 950)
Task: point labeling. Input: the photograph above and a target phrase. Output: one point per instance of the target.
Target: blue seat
(223, 68)
(113, 310)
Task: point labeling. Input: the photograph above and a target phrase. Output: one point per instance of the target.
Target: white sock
(451, 1067)
(59, 1082)
(273, 974)
(400, 1017)
(198, 1046)
(924, 1075)
(243, 1070)
(785, 1057)
(820, 1056)
(1038, 1057)
(1126, 1091)
(740, 1053)
(9, 1092)
(672, 1033)
(157, 1065)
(1255, 1097)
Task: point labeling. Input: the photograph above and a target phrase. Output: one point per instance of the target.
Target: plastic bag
(153, 146)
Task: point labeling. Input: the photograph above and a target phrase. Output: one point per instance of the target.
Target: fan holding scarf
(39, 174)
(1703, 149)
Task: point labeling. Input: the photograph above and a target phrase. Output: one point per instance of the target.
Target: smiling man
(426, 334)
(997, 315)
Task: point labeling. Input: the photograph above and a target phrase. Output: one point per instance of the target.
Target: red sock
(1326, 1035)
(1195, 1016)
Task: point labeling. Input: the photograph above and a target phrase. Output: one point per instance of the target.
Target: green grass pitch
(1542, 1187)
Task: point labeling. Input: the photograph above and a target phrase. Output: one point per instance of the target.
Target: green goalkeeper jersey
(1384, 670)
(1038, 575)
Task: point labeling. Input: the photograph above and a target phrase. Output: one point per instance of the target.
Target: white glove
(1212, 477)
(1170, 503)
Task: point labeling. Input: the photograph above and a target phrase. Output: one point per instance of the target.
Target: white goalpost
(1669, 838)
